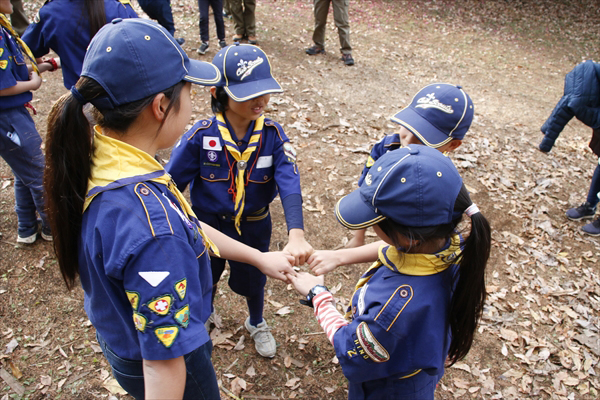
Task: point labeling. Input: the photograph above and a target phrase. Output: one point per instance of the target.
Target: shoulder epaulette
(201, 125)
(154, 204)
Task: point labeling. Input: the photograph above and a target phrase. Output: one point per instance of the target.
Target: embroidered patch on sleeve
(3, 64)
(289, 152)
(182, 316)
(139, 321)
(370, 345)
(161, 305)
(134, 299)
(180, 288)
(369, 162)
(167, 334)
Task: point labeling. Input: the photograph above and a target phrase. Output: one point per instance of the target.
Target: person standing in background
(244, 20)
(340, 16)
(18, 19)
(160, 10)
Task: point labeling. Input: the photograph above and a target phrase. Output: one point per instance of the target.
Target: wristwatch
(312, 293)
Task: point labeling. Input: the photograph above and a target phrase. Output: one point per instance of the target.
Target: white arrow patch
(154, 278)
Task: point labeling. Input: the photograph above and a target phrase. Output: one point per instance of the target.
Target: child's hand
(35, 80)
(304, 281)
(323, 261)
(298, 247)
(277, 265)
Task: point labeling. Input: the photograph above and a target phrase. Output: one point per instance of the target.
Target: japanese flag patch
(211, 143)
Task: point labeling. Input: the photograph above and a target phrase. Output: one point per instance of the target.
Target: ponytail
(69, 147)
(96, 15)
(68, 154)
(469, 291)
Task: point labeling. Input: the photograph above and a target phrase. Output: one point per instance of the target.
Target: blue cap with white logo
(245, 72)
(438, 113)
(135, 58)
(413, 186)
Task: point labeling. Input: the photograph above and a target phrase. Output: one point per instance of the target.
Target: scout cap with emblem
(413, 186)
(245, 72)
(437, 114)
(135, 58)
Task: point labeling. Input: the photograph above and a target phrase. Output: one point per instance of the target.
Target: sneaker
(314, 50)
(347, 59)
(253, 40)
(222, 43)
(203, 47)
(237, 37)
(584, 211)
(226, 14)
(180, 40)
(264, 342)
(592, 228)
(46, 233)
(27, 239)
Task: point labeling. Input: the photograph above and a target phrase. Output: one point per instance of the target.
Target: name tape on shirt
(211, 143)
(264, 162)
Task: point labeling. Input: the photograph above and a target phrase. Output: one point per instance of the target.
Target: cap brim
(427, 133)
(250, 90)
(354, 213)
(202, 73)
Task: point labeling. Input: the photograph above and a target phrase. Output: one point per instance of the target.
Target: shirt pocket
(214, 174)
(262, 175)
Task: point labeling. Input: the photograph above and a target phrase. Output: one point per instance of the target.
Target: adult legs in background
(18, 19)
(321, 8)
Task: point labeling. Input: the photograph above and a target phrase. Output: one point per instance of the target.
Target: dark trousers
(217, 7)
(18, 19)
(160, 10)
(21, 148)
(200, 381)
(418, 387)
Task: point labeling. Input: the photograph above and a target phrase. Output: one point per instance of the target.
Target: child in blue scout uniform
(67, 26)
(438, 116)
(120, 223)
(20, 143)
(236, 163)
(160, 10)
(420, 303)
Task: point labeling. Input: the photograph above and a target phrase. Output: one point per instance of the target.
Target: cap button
(237, 43)
(458, 87)
(116, 20)
(413, 150)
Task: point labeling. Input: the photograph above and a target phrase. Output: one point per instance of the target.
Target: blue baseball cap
(438, 113)
(413, 186)
(135, 58)
(245, 72)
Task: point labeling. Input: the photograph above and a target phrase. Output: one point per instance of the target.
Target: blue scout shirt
(62, 25)
(143, 263)
(12, 69)
(202, 160)
(400, 317)
(388, 143)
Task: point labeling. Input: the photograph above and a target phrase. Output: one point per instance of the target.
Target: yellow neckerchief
(116, 163)
(416, 264)
(5, 24)
(242, 161)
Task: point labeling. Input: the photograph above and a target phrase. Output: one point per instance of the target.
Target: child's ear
(213, 91)
(454, 144)
(159, 106)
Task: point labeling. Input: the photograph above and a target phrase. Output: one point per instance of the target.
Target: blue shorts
(244, 279)
(200, 382)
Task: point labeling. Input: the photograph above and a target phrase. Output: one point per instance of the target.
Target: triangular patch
(167, 334)
(154, 278)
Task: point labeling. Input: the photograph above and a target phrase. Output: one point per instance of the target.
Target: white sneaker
(27, 240)
(264, 342)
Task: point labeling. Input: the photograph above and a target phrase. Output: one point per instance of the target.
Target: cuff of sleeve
(292, 207)
(322, 298)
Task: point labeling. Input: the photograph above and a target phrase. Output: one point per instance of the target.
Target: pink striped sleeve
(329, 318)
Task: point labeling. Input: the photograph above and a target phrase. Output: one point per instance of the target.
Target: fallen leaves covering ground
(539, 337)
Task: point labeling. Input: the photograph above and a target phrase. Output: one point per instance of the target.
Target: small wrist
(52, 62)
(296, 234)
(316, 290)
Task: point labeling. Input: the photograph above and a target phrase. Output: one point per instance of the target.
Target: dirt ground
(539, 337)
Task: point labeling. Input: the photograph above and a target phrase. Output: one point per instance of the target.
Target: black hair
(69, 147)
(469, 292)
(218, 102)
(96, 15)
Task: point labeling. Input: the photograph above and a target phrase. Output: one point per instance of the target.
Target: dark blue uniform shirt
(63, 26)
(12, 69)
(388, 143)
(145, 272)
